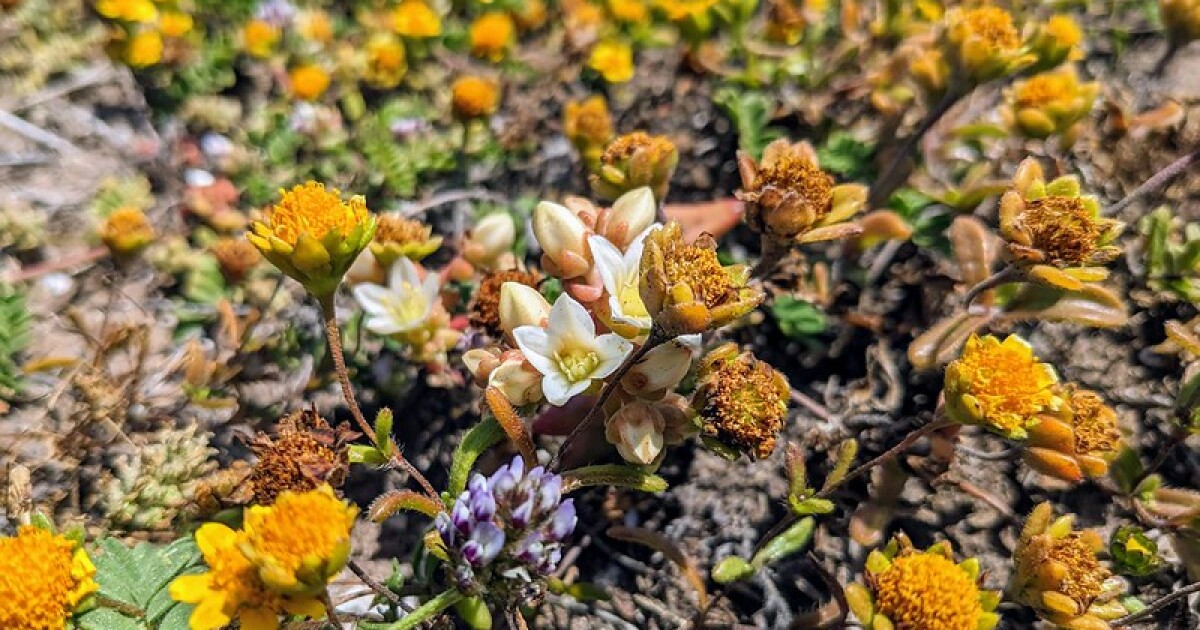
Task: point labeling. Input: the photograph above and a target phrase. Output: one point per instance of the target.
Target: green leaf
(580, 591)
(790, 541)
(909, 202)
(750, 113)
(475, 613)
(203, 283)
(366, 454)
(798, 318)
(847, 451)
(732, 569)
(612, 475)
(480, 438)
(109, 619)
(383, 430)
(809, 506)
(845, 155)
(14, 338)
(139, 576)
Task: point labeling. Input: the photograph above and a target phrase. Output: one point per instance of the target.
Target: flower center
(1095, 423)
(1042, 90)
(1062, 227)
(699, 268)
(795, 173)
(995, 26)
(394, 229)
(745, 406)
(1084, 578)
(407, 305)
(576, 364)
(928, 591)
(1009, 383)
(311, 209)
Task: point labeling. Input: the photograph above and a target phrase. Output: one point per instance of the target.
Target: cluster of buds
(982, 43)
(1051, 104)
(635, 160)
(741, 402)
(505, 532)
(907, 588)
(148, 490)
(1058, 575)
(1054, 234)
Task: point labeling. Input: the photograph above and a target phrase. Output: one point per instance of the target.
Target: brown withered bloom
(741, 401)
(1077, 441)
(485, 308)
(236, 257)
(685, 288)
(396, 236)
(634, 160)
(788, 196)
(305, 454)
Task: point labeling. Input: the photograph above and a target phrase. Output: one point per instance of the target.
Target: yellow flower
(983, 44)
(613, 60)
(313, 236)
(1054, 234)
(315, 25)
(1181, 19)
(630, 11)
(45, 578)
(741, 401)
(907, 588)
(1058, 575)
(588, 125)
(231, 589)
(414, 18)
(680, 10)
(1056, 41)
(144, 49)
(386, 64)
(127, 10)
(1051, 103)
(634, 160)
(126, 232)
(308, 82)
(1077, 441)
(175, 24)
(474, 97)
(396, 236)
(259, 38)
(788, 195)
(530, 14)
(684, 287)
(1000, 385)
(491, 35)
(301, 542)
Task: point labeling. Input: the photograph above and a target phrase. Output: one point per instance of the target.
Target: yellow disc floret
(1000, 385)
(43, 577)
(301, 542)
(312, 209)
(993, 26)
(927, 591)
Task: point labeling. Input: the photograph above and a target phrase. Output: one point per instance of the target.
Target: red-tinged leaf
(512, 423)
(941, 343)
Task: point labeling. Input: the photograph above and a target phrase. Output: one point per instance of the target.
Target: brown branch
(1158, 605)
(1158, 181)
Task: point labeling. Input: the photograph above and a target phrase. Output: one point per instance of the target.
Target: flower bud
(563, 239)
(519, 381)
(481, 362)
(637, 431)
(521, 305)
(629, 216)
(490, 241)
(662, 368)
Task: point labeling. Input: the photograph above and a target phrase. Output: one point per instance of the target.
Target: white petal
(619, 316)
(569, 320)
(612, 350)
(430, 292)
(372, 298)
(535, 345)
(609, 262)
(403, 272)
(691, 342)
(558, 390)
(384, 326)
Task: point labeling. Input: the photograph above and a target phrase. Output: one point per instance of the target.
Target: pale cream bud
(563, 239)
(491, 240)
(629, 216)
(662, 368)
(636, 429)
(521, 305)
(519, 381)
(481, 362)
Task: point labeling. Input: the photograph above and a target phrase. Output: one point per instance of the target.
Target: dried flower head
(301, 542)
(982, 43)
(231, 588)
(1000, 385)
(1058, 575)
(474, 97)
(788, 196)
(634, 160)
(313, 236)
(491, 35)
(415, 18)
(684, 287)
(46, 578)
(1077, 441)
(485, 308)
(236, 257)
(1051, 103)
(906, 588)
(126, 232)
(308, 82)
(305, 454)
(741, 401)
(1055, 234)
(588, 125)
(396, 236)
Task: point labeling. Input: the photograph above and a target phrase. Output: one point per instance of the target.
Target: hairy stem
(895, 172)
(1158, 181)
(656, 338)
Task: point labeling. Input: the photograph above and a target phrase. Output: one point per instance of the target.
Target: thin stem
(773, 251)
(1157, 181)
(891, 453)
(401, 462)
(1177, 437)
(1165, 60)
(330, 613)
(656, 338)
(1005, 275)
(1158, 605)
(894, 175)
(334, 335)
(376, 586)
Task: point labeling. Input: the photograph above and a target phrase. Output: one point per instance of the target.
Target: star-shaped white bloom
(620, 273)
(403, 305)
(568, 352)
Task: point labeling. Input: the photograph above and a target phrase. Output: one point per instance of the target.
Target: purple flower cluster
(512, 523)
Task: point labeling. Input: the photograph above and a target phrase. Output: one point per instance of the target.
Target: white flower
(620, 274)
(568, 352)
(402, 306)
